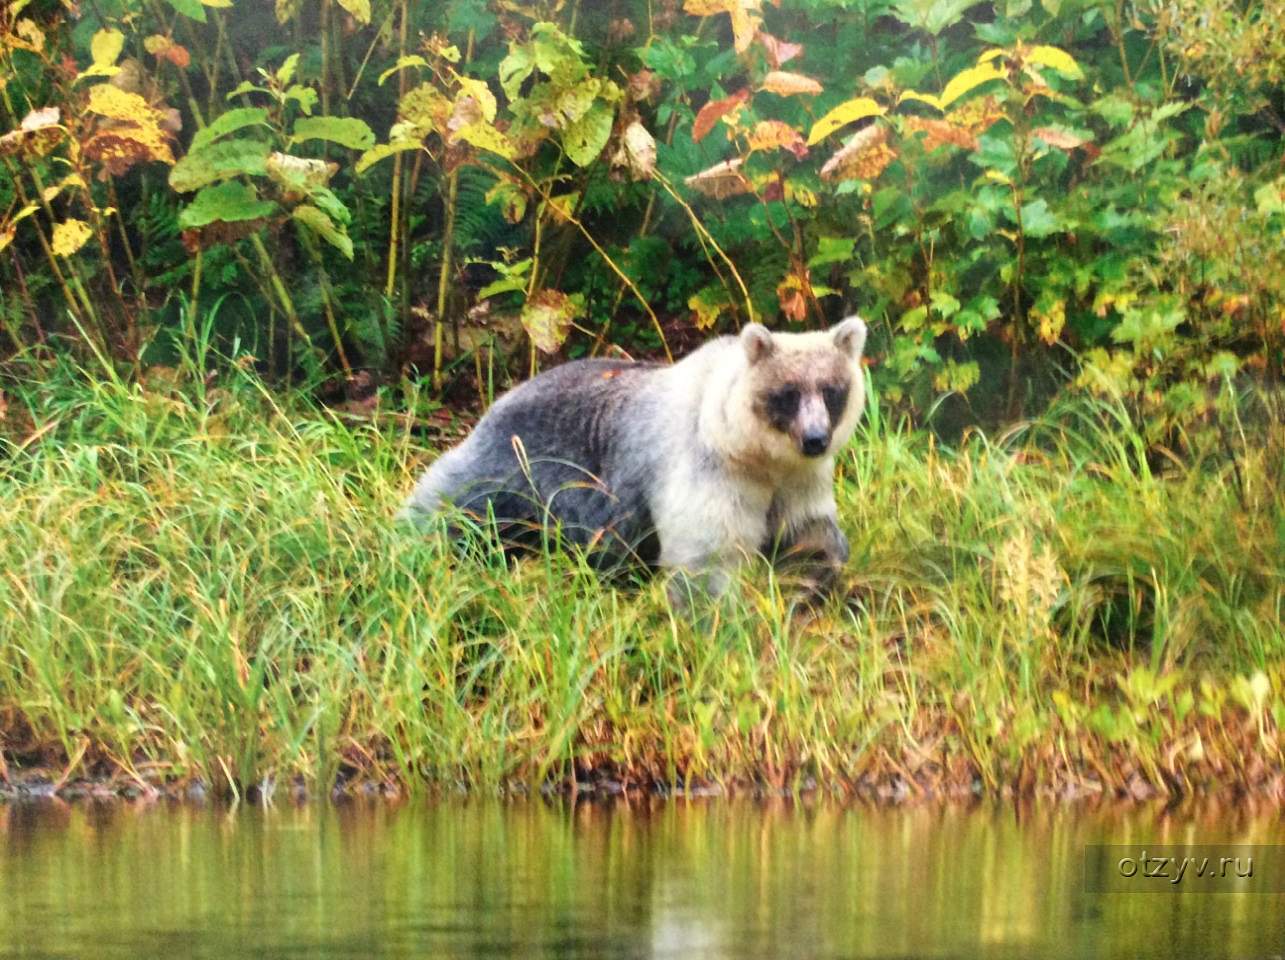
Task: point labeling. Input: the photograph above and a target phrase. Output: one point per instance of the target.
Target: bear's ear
(757, 341)
(850, 335)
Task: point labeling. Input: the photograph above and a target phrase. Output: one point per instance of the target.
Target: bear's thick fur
(691, 467)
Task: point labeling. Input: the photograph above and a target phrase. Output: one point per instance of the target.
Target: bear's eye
(836, 399)
(783, 403)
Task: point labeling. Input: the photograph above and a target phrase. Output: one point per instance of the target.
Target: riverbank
(202, 585)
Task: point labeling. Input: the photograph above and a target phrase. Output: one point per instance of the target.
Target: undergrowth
(203, 581)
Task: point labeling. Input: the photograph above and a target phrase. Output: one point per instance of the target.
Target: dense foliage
(1018, 195)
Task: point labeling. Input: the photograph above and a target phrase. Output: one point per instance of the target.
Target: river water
(717, 879)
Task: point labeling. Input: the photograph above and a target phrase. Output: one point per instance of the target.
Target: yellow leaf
(969, 79)
(1059, 60)
(485, 136)
(787, 84)
(707, 8)
(929, 98)
(480, 92)
(217, 4)
(109, 101)
(360, 9)
(845, 113)
(70, 236)
(105, 47)
(990, 55)
(745, 27)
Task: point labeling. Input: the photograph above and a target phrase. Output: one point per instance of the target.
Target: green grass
(205, 582)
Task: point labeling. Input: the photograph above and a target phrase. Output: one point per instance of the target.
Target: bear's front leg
(812, 554)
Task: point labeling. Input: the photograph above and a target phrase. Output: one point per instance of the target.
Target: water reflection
(736, 880)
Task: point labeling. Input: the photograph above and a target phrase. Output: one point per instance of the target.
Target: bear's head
(805, 391)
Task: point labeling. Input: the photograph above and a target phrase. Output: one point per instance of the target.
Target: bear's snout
(814, 444)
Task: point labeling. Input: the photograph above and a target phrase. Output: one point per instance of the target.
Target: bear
(690, 467)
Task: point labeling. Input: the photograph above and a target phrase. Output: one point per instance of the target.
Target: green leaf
(228, 202)
(1038, 220)
(306, 97)
(285, 72)
(245, 86)
(832, 250)
(584, 139)
(189, 8)
(312, 219)
(219, 161)
(943, 304)
(345, 131)
(515, 68)
(411, 60)
(934, 16)
(226, 123)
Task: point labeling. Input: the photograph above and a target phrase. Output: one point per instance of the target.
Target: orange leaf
(177, 54)
(713, 111)
(788, 84)
(776, 135)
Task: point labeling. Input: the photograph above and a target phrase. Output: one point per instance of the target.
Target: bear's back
(574, 443)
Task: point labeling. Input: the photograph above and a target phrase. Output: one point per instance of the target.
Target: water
(710, 879)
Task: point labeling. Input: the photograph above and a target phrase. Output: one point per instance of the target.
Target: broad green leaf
(219, 161)
(945, 305)
(189, 8)
(306, 97)
(845, 113)
(345, 131)
(360, 9)
(515, 68)
(934, 16)
(584, 139)
(970, 79)
(1038, 220)
(412, 60)
(383, 151)
(69, 236)
(227, 202)
(228, 122)
(312, 219)
(503, 285)
(832, 250)
(1059, 60)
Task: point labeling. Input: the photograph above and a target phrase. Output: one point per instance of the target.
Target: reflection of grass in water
(201, 582)
(726, 879)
